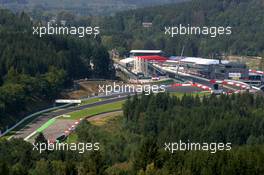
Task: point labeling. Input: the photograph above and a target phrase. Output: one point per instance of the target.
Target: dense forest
(135, 144)
(125, 31)
(35, 69)
(80, 7)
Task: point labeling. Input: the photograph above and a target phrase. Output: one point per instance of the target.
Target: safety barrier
(31, 116)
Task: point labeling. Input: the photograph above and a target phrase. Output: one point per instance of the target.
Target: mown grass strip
(46, 125)
(90, 101)
(96, 110)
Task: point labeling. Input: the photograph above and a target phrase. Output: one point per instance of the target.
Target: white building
(203, 61)
(140, 64)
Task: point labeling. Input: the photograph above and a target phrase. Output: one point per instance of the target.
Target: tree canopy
(34, 69)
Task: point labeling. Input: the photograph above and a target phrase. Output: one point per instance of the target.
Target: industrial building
(214, 69)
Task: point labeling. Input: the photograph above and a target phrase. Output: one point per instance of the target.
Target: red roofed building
(141, 63)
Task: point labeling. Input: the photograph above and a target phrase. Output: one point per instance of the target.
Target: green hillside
(230, 128)
(81, 7)
(124, 31)
(35, 70)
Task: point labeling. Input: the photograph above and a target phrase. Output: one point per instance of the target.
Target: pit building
(140, 60)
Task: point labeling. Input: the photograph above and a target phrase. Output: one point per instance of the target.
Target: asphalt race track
(37, 123)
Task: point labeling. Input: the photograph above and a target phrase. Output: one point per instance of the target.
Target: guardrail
(31, 116)
(49, 110)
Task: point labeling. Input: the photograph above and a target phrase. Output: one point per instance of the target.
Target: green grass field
(90, 101)
(95, 110)
(111, 125)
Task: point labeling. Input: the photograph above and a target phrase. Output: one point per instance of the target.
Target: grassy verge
(163, 82)
(8, 135)
(109, 124)
(96, 110)
(19, 127)
(28, 121)
(105, 120)
(46, 125)
(90, 101)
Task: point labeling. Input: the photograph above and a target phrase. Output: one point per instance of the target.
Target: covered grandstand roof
(204, 61)
(146, 51)
(176, 58)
